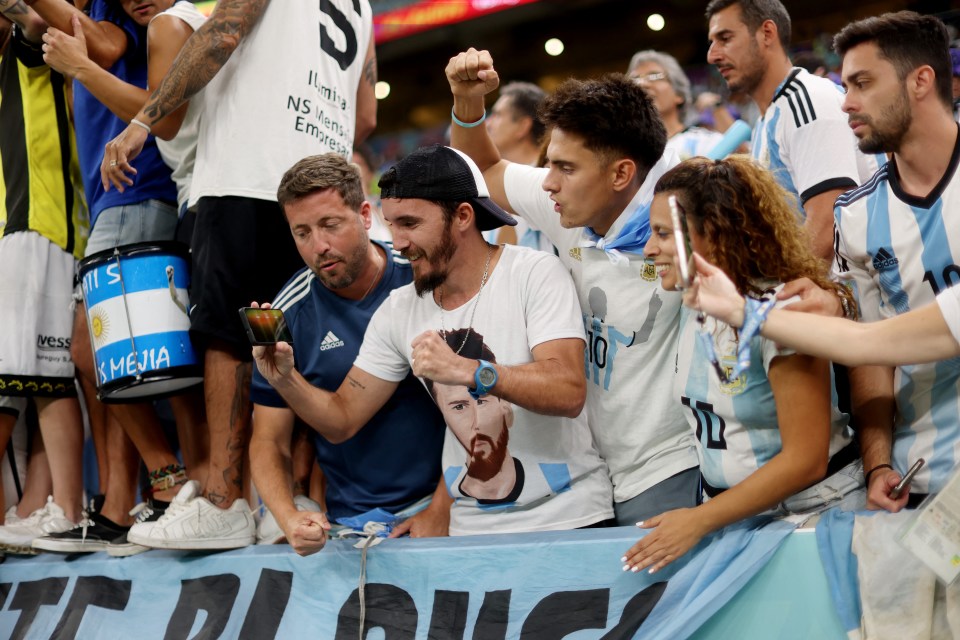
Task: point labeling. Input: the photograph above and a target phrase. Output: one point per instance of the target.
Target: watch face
(487, 376)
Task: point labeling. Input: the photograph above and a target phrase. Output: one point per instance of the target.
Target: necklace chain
(376, 278)
(476, 301)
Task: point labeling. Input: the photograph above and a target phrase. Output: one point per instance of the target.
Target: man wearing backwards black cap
(523, 304)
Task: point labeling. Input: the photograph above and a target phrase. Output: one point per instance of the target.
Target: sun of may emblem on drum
(100, 327)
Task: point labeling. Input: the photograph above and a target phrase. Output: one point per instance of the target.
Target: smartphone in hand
(265, 326)
(897, 490)
(684, 248)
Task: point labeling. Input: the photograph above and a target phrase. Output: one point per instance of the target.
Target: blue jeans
(844, 489)
(146, 221)
(676, 492)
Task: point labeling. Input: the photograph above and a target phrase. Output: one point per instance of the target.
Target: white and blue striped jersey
(694, 141)
(735, 424)
(805, 141)
(899, 251)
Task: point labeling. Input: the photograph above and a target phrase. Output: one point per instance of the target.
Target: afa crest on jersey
(648, 271)
(737, 385)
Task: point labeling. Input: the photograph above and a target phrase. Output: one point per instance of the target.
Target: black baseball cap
(443, 173)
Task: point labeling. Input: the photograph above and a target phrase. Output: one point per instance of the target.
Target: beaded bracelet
(167, 477)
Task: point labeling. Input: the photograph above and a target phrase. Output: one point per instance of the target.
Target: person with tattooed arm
(311, 96)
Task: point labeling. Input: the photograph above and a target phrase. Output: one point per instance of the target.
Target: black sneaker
(149, 511)
(93, 533)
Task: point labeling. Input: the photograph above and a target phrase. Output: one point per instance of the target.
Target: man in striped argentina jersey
(801, 135)
(894, 240)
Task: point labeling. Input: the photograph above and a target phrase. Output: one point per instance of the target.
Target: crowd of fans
(509, 337)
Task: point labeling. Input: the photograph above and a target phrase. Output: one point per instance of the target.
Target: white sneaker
(49, 519)
(192, 522)
(11, 517)
(269, 531)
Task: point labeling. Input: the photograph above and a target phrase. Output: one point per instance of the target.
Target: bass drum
(137, 309)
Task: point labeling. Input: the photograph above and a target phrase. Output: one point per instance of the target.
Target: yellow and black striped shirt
(40, 185)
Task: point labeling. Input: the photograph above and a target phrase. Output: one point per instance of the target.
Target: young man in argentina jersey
(801, 135)
(606, 152)
(894, 240)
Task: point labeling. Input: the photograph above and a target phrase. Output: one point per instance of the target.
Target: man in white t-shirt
(520, 302)
(592, 202)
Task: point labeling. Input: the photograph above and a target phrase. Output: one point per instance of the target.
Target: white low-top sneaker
(192, 522)
(269, 531)
(50, 519)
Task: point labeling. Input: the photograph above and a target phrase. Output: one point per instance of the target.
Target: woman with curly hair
(769, 435)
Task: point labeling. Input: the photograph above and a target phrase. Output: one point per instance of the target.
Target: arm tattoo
(370, 71)
(204, 54)
(355, 383)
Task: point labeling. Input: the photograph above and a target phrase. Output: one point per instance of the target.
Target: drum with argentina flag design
(137, 310)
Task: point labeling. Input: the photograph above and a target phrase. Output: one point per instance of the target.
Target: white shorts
(36, 316)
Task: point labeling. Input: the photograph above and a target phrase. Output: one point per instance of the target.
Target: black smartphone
(265, 326)
(684, 250)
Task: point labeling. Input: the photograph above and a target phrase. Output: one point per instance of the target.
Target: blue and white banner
(532, 586)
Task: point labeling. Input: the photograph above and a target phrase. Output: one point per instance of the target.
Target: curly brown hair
(750, 220)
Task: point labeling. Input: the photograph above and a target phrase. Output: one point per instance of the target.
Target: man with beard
(393, 461)
(521, 301)
(481, 426)
(801, 135)
(894, 241)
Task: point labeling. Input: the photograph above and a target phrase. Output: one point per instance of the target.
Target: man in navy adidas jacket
(393, 462)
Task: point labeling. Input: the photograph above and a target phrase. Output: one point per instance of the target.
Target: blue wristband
(755, 314)
(467, 125)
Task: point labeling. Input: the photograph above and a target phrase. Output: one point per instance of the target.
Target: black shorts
(242, 251)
